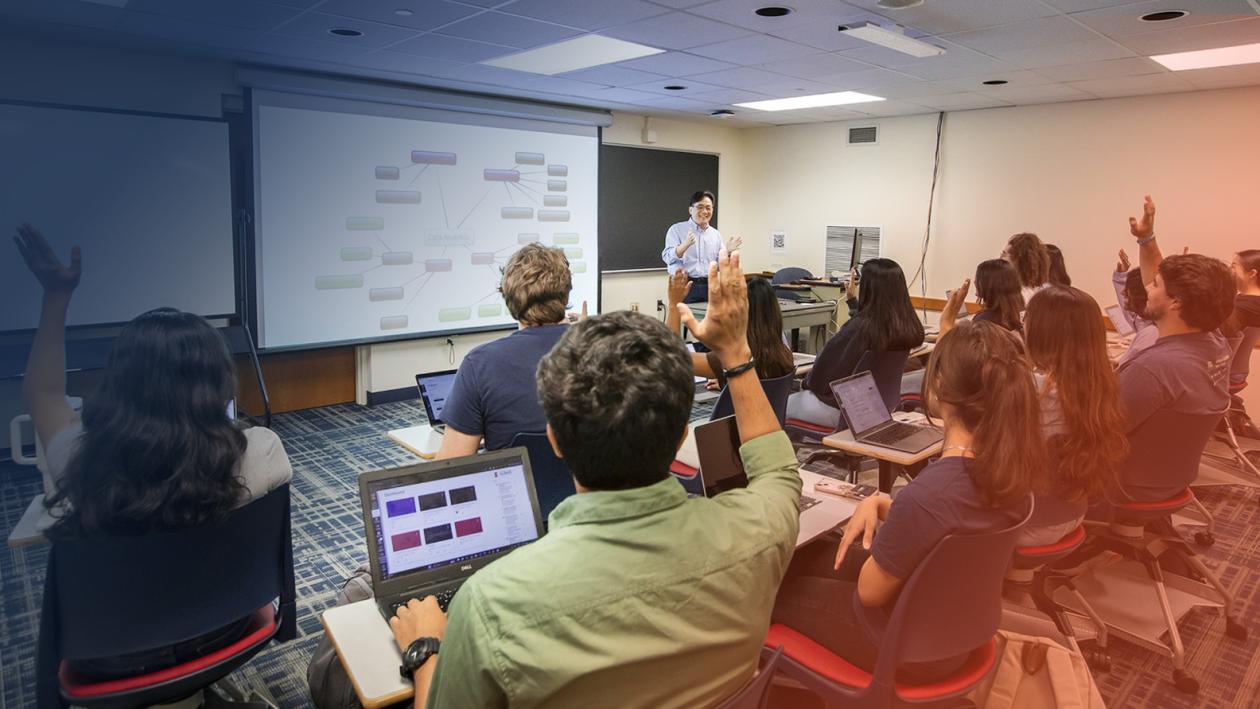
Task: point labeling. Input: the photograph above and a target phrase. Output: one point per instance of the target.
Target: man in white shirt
(693, 245)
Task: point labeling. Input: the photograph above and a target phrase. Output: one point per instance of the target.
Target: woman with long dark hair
(1058, 275)
(998, 291)
(882, 319)
(980, 385)
(155, 449)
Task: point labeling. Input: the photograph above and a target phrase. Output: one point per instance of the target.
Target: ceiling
(720, 50)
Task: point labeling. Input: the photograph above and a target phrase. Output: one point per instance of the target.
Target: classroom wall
(1071, 172)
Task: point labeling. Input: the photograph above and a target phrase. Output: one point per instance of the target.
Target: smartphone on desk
(844, 489)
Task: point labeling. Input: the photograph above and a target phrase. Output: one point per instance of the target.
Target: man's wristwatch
(736, 371)
(1146, 240)
(417, 654)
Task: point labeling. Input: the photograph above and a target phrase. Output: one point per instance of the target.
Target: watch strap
(416, 654)
(736, 371)
(1146, 240)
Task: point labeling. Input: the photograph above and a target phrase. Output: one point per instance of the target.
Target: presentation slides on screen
(371, 226)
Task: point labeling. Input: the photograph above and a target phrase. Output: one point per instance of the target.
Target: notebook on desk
(701, 384)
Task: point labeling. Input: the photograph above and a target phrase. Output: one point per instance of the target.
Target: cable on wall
(927, 231)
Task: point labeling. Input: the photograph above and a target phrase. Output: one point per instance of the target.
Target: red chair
(951, 605)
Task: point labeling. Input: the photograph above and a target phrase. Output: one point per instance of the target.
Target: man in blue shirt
(494, 396)
(693, 245)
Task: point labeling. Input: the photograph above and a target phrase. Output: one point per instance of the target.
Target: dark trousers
(699, 292)
(818, 600)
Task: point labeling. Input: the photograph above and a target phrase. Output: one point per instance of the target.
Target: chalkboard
(641, 193)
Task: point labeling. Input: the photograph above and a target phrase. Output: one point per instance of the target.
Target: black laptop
(433, 391)
(721, 468)
(870, 421)
(431, 526)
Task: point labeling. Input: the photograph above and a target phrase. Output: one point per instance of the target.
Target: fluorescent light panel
(573, 54)
(892, 39)
(1210, 58)
(816, 101)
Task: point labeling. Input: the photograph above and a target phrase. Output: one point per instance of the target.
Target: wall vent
(864, 135)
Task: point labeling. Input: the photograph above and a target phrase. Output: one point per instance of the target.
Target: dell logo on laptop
(466, 567)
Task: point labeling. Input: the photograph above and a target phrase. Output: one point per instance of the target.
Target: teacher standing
(693, 245)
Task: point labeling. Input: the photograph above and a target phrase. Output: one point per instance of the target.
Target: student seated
(493, 396)
(980, 384)
(1131, 295)
(1080, 410)
(1031, 260)
(1058, 275)
(1246, 267)
(882, 321)
(765, 331)
(155, 450)
(638, 596)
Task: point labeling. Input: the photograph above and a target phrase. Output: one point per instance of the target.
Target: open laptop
(717, 464)
(1121, 323)
(431, 526)
(869, 420)
(701, 384)
(433, 391)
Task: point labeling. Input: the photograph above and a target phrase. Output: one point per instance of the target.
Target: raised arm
(1149, 256)
(955, 303)
(44, 387)
(679, 285)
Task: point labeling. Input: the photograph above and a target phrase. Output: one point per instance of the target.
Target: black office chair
(777, 391)
(791, 274)
(106, 596)
(552, 480)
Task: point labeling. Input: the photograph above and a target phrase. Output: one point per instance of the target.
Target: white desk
(30, 528)
(815, 316)
(421, 440)
(887, 457)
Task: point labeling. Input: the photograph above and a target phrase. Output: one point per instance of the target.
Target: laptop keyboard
(808, 502)
(892, 434)
(443, 599)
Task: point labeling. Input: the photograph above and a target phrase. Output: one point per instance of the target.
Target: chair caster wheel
(1204, 539)
(1185, 683)
(1235, 630)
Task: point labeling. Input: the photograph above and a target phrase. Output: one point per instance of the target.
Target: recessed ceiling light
(1164, 16)
(722, 113)
(773, 11)
(1210, 58)
(573, 54)
(839, 98)
(674, 87)
(995, 82)
(404, 12)
(892, 39)
(898, 4)
(345, 32)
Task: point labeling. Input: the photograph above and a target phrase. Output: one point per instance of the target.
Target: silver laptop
(1121, 323)
(431, 526)
(870, 421)
(721, 468)
(434, 389)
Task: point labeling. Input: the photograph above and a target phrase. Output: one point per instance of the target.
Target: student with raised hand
(638, 596)
(765, 331)
(493, 397)
(882, 319)
(1031, 260)
(1080, 410)
(155, 450)
(980, 384)
(1131, 295)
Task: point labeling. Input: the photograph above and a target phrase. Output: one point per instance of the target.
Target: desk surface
(843, 440)
(787, 306)
(420, 440)
(32, 525)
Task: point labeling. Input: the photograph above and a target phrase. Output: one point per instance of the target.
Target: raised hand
(686, 244)
(734, 243)
(679, 286)
(725, 325)
(1123, 265)
(953, 306)
(851, 286)
(44, 264)
(1144, 227)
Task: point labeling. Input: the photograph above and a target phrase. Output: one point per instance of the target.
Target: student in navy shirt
(981, 385)
(494, 395)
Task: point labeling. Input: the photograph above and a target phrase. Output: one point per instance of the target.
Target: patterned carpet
(330, 447)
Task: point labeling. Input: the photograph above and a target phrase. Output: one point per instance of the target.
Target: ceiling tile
(727, 97)
(1223, 34)
(690, 86)
(302, 48)
(677, 103)
(483, 3)
(960, 15)
(1022, 95)
(613, 75)
(964, 101)
(1095, 50)
(678, 4)
(563, 85)
(1078, 5)
(867, 77)
(826, 36)
(1125, 21)
(838, 113)
(891, 108)
(247, 14)
(426, 14)
(1013, 78)
(620, 95)
(1134, 85)
(742, 78)
(675, 30)
(813, 66)
(743, 13)
(455, 49)
(188, 31)
(1133, 66)
(403, 63)
(497, 28)
(955, 62)
(1223, 77)
(907, 90)
(584, 13)
(1021, 35)
(788, 86)
(315, 26)
(757, 49)
(676, 64)
(66, 12)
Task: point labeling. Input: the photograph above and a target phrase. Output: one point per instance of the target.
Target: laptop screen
(1121, 323)
(423, 523)
(433, 391)
(862, 404)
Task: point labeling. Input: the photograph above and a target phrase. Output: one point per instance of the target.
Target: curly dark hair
(1203, 286)
(1031, 259)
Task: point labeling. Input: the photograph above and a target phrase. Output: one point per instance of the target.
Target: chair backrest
(1164, 453)
(757, 691)
(789, 275)
(952, 602)
(1241, 365)
(886, 368)
(552, 480)
(777, 391)
(114, 595)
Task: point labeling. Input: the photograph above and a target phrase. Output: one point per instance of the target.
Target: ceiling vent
(864, 135)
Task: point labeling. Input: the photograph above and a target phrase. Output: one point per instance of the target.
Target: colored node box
(491, 175)
(404, 541)
(393, 322)
(577, 267)
(527, 238)
(517, 212)
(440, 533)
(453, 314)
(557, 185)
(553, 215)
(460, 495)
(483, 258)
(565, 237)
(557, 171)
(465, 527)
(435, 265)
(397, 197)
(349, 280)
(398, 508)
(356, 253)
(449, 237)
(572, 253)
(489, 311)
(555, 200)
(396, 258)
(378, 294)
(530, 158)
(430, 157)
(432, 501)
(385, 172)
(365, 223)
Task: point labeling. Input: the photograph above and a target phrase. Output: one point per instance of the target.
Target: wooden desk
(887, 457)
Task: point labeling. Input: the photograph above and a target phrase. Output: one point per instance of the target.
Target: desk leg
(796, 338)
(886, 477)
(817, 339)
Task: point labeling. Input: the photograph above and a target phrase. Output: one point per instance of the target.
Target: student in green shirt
(638, 596)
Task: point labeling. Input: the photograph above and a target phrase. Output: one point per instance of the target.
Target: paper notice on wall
(778, 241)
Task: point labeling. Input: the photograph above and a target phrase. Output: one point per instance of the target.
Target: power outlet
(634, 307)
(660, 306)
